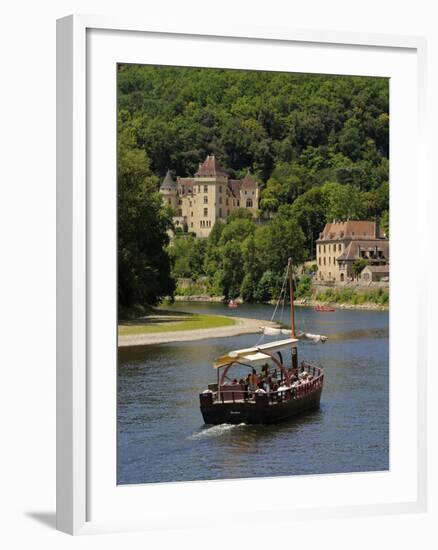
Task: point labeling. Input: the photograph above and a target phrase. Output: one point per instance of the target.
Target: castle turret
(168, 189)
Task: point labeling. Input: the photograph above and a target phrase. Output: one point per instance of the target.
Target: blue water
(161, 436)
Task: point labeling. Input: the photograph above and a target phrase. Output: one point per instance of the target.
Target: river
(161, 435)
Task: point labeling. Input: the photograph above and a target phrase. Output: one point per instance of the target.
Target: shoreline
(305, 302)
(243, 325)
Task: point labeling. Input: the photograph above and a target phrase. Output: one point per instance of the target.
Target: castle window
(179, 201)
(220, 200)
(182, 189)
(191, 224)
(324, 249)
(199, 188)
(205, 212)
(319, 261)
(339, 246)
(246, 192)
(191, 214)
(238, 203)
(170, 202)
(330, 260)
(220, 188)
(226, 201)
(220, 212)
(205, 199)
(205, 188)
(179, 212)
(324, 261)
(249, 203)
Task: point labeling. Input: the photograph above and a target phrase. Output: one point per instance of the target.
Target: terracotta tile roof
(248, 182)
(353, 249)
(234, 186)
(187, 185)
(378, 268)
(350, 229)
(210, 167)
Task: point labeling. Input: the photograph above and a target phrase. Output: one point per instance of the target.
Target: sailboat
(277, 391)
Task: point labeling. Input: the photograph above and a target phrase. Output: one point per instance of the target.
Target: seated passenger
(260, 389)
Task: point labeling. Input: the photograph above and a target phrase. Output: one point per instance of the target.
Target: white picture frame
(81, 425)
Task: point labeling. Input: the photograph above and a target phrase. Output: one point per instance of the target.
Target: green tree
(187, 256)
(143, 263)
(343, 202)
(358, 266)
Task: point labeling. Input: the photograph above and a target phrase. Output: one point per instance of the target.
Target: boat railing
(274, 396)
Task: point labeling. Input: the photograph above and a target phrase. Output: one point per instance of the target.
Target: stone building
(209, 196)
(375, 273)
(342, 243)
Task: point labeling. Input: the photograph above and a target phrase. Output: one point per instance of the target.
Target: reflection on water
(161, 436)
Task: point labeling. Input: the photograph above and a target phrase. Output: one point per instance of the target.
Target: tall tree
(143, 263)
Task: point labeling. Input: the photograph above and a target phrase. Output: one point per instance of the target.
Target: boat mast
(294, 350)
(291, 292)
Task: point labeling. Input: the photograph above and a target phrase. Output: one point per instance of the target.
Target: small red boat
(233, 304)
(324, 309)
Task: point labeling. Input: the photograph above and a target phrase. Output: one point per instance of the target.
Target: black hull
(260, 411)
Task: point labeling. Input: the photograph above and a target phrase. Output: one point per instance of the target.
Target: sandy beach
(242, 326)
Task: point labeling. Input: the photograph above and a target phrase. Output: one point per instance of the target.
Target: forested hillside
(318, 144)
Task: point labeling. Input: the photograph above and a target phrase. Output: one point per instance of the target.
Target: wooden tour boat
(279, 392)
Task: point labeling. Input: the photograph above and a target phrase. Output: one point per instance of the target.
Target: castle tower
(210, 185)
(249, 193)
(168, 190)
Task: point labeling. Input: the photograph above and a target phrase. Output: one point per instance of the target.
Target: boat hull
(259, 412)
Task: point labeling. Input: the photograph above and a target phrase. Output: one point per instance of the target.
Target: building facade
(209, 196)
(342, 243)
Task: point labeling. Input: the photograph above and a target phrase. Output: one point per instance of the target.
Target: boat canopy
(255, 354)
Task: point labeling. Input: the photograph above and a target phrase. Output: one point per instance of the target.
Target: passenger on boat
(260, 389)
(254, 381)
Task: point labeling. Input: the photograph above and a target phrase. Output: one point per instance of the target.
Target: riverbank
(235, 326)
(371, 306)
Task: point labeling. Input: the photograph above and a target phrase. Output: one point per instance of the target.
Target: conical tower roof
(168, 182)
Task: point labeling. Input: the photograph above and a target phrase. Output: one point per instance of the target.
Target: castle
(209, 196)
(342, 243)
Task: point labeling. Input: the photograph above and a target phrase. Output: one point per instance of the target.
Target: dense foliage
(318, 145)
(143, 264)
(241, 257)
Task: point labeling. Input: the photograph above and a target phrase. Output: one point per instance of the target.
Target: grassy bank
(377, 296)
(159, 321)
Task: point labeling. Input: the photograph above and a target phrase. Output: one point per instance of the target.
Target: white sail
(269, 331)
(314, 337)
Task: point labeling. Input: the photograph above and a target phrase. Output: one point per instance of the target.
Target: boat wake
(216, 431)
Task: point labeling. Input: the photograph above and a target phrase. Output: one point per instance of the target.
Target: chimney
(377, 228)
